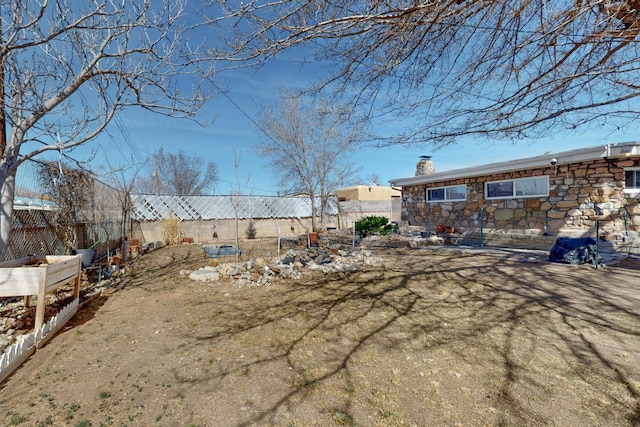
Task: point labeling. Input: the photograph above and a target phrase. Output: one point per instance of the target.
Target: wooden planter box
(38, 276)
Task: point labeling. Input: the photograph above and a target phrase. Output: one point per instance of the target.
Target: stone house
(569, 193)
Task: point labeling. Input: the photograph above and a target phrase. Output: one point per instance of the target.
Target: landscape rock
(261, 271)
(204, 275)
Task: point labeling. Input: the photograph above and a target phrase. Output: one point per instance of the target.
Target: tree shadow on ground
(529, 335)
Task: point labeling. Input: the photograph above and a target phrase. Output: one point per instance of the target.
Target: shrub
(171, 231)
(373, 225)
(251, 231)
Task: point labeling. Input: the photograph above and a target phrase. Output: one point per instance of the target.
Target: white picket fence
(18, 353)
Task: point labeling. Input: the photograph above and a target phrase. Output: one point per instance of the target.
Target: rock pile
(261, 271)
(15, 319)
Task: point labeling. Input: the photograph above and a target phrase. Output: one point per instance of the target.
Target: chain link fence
(33, 229)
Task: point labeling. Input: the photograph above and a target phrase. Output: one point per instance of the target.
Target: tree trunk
(8, 169)
(7, 192)
(323, 210)
(313, 212)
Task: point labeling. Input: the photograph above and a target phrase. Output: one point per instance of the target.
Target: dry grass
(425, 339)
(171, 234)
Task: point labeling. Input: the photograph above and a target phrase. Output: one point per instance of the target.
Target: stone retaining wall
(579, 195)
(507, 240)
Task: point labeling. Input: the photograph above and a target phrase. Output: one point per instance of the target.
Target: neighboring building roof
(152, 207)
(619, 150)
(20, 202)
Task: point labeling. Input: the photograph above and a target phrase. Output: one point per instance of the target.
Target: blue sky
(137, 134)
(233, 134)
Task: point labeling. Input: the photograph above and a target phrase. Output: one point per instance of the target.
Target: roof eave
(544, 160)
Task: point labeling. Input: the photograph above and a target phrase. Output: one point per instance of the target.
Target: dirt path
(425, 339)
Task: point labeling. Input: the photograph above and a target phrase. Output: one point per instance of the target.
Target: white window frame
(445, 187)
(633, 190)
(513, 188)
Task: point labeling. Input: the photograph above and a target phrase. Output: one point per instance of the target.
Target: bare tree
(179, 174)
(147, 183)
(371, 179)
(67, 68)
(237, 194)
(496, 69)
(72, 190)
(111, 210)
(310, 146)
(115, 195)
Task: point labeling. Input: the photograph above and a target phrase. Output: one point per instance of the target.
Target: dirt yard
(424, 339)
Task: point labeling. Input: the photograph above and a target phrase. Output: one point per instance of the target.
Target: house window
(453, 193)
(632, 180)
(518, 188)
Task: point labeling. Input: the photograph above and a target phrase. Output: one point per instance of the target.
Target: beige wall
(202, 231)
(365, 192)
(352, 211)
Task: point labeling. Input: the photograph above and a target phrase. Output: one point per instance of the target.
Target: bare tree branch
(68, 68)
(310, 146)
(495, 69)
(180, 174)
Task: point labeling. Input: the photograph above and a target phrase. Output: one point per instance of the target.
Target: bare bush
(171, 233)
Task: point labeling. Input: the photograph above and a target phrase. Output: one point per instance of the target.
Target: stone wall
(579, 195)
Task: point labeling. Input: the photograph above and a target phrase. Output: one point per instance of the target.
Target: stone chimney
(425, 166)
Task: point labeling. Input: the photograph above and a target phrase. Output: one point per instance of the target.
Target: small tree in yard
(236, 198)
(72, 192)
(310, 146)
(116, 195)
(251, 232)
